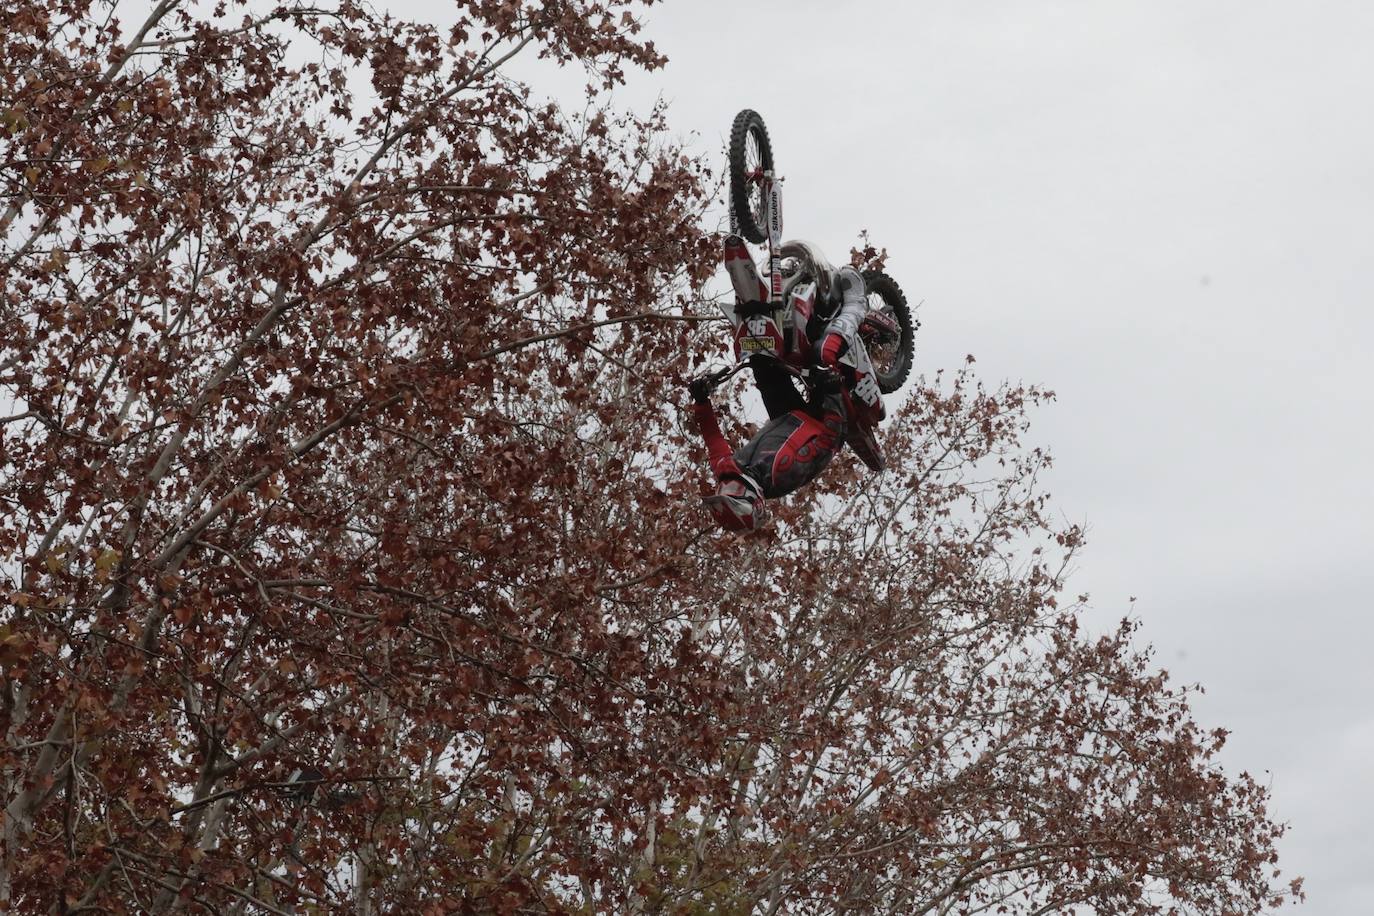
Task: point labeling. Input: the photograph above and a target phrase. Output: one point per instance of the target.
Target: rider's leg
(787, 453)
(780, 396)
(791, 450)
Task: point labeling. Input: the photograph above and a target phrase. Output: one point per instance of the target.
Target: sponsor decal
(775, 212)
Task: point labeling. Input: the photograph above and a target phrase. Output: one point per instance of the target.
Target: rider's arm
(721, 455)
(839, 334)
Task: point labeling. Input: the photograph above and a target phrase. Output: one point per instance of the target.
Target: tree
(351, 542)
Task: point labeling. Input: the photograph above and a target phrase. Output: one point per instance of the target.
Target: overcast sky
(1161, 210)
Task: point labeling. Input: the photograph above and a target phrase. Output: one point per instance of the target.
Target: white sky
(1161, 209)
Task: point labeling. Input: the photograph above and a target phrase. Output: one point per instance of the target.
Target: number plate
(867, 390)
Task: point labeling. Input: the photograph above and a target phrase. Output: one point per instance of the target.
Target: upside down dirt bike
(780, 319)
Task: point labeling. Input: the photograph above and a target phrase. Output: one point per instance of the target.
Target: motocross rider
(800, 437)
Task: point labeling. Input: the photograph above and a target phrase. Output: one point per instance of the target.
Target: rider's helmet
(738, 504)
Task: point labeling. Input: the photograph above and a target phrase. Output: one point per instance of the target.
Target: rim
(753, 173)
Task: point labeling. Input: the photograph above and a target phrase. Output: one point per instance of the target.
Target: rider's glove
(831, 349)
(700, 389)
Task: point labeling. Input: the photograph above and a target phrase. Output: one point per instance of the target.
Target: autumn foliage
(350, 542)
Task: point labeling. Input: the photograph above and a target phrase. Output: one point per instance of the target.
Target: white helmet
(812, 262)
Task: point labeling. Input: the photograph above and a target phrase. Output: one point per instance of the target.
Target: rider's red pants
(788, 452)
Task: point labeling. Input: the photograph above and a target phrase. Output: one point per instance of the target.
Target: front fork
(772, 194)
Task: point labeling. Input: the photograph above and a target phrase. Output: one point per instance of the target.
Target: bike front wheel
(750, 156)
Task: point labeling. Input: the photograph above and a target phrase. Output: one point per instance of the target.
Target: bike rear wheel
(891, 353)
(750, 156)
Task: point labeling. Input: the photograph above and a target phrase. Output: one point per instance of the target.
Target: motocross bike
(778, 319)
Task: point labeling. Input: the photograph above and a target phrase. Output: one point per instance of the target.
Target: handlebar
(722, 374)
